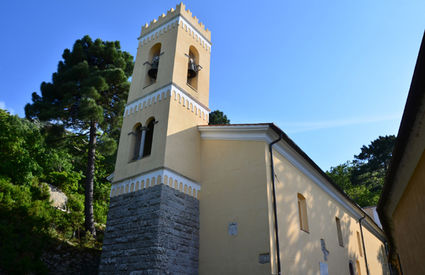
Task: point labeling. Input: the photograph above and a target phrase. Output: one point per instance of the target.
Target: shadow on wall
(301, 251)
(383, 260)
(185, 145)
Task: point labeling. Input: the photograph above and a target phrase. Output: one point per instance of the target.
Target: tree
(375, 157)
(20, 145)
(363, 178)
(87, 96)
(217, 117)
(341, 175)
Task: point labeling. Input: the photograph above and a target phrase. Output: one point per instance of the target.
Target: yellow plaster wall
(376, 255)
(185, 40)
(175, 42)
(409, 222)
(301, 251)
(124, 167)
(233, 190)
(183, 143)
(165, 68)
(176, 142)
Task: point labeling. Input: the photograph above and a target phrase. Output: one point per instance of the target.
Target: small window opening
(338, 228)
(152, 64)
(359, 243)
(193, 68)
(136, 141)
(148, 139)
(302, 211)
(351, 268)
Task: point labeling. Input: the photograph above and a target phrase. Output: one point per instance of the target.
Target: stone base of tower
(151, 231)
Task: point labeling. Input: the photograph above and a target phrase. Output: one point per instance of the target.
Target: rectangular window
(338, 228)
(359, 243)
(302, 211)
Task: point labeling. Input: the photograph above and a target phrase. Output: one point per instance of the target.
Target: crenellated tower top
(172, 14)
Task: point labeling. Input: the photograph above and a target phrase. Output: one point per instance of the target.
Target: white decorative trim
(186, 25)
(236, 132)
(151, 35)
(150, 179)
(182, 98)
(162, 94)
(147, 100)
(264, 133)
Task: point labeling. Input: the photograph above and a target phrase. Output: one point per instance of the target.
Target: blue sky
(334, 75)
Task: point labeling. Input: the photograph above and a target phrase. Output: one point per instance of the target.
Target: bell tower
(157, 170)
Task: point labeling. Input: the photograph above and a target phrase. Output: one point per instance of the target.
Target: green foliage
(217, 117)
(28, 158)
(20, 148)
(86, 96)
(87, 92)
(363, 178)
(91, 84)
(25, 217)
(370, 166)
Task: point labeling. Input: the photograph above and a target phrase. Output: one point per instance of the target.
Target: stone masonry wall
(151, 231)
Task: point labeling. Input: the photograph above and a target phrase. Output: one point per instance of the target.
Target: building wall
(301, 251)
(168, 40)
(126, 167)
(183, 143)
(151, 231)
(185, 39)
(409, 220)
(175, 135)
(234, 190)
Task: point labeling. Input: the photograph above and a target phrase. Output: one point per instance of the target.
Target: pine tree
(87, 97)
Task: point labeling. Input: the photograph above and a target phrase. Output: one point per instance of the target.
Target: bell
(192, 71)
(153, 71)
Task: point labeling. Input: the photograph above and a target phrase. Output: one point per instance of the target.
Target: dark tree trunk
(88, 203)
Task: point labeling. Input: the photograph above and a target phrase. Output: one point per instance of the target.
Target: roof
(413, 116)
(413, 103)
(303, 155)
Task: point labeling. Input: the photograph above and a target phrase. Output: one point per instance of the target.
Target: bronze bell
(153, 71)
(192, 71)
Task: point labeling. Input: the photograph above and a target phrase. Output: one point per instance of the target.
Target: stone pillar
(151, 231)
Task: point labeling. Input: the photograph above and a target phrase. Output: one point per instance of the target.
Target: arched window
(339, 231)
(302, 211)
(359, 244)
(136, 141)
(149, 138)
(193, 68)
(152, 64)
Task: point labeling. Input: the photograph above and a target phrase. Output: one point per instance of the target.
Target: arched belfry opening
(152, 64)
(147, 148)
(136, 141)
(193, 67)
(141, 140)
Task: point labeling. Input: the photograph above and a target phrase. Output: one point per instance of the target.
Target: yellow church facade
(193, 198)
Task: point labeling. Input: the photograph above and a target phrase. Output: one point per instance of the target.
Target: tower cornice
(183, 18)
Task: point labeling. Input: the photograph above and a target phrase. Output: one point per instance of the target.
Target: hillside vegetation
(67, 141)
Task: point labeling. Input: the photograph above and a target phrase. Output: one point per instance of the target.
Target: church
(193, 198)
